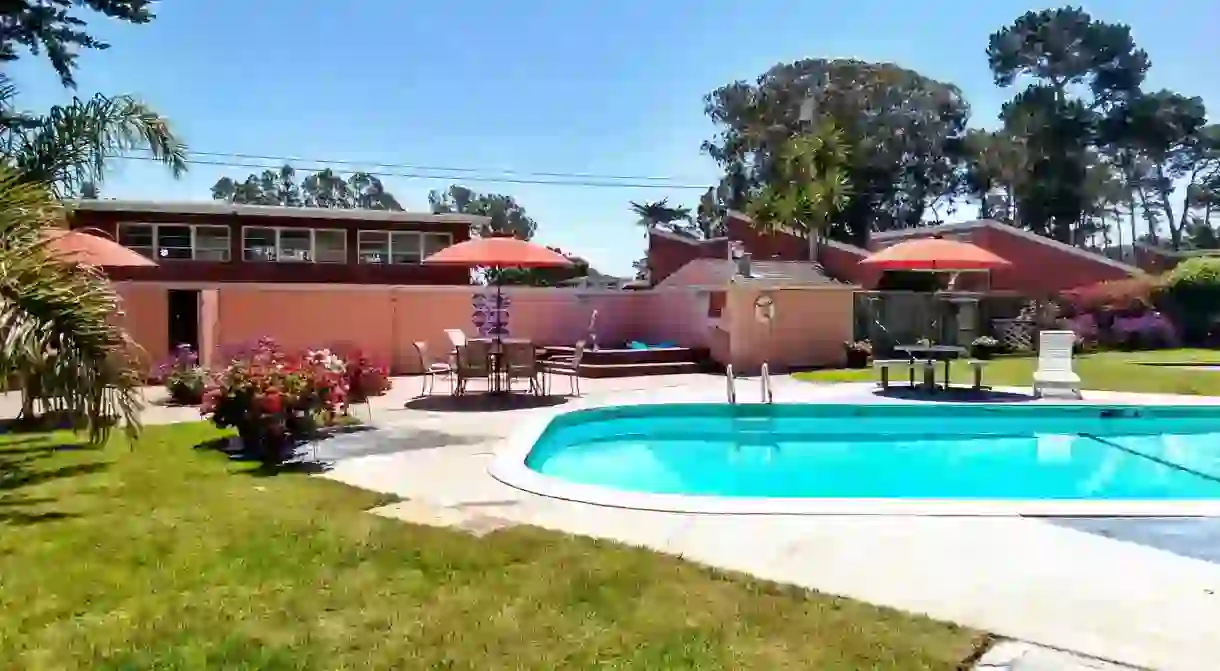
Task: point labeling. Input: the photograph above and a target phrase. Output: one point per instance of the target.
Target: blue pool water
(938, 451)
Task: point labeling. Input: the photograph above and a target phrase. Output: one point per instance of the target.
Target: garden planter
(982, 353)
(857, 359)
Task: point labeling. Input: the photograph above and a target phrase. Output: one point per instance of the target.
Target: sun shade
(934, 254)
(93, 250)
(498, 252)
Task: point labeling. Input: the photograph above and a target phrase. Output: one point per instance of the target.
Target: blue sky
(535, 85)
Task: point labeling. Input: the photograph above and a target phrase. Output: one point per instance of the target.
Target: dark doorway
(184, 318)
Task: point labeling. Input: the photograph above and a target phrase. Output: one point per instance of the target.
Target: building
(1040, 266)
(199, 246)
(210, 242)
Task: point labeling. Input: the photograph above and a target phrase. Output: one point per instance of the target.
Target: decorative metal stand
(490, 314)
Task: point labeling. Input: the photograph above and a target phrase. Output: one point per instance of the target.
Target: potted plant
(183, 377)
(858, 353)
(984, 347)
(275, 400)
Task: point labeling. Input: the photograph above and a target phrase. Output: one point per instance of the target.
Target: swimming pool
(692, 456)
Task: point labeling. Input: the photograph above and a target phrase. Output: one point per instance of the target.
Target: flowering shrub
(183, 377)
(365, 378)
(1147, 331)
(1132, 296)
(274, 399)
(858, 353)
(983, 347)
(1086, 330)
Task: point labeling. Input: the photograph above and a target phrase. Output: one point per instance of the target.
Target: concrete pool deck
(1019, 577)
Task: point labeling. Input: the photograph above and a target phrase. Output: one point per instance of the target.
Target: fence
(888, 318)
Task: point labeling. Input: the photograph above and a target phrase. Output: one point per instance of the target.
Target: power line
(476, 178)
(408, 166)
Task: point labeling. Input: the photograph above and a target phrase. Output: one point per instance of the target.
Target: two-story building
(197, 245)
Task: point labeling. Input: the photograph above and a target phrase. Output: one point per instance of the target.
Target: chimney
(743, 264)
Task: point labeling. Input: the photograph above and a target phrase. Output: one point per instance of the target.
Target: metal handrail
(731, 387)
(765, 377)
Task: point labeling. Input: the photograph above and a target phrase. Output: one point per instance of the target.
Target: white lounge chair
(1055, 363)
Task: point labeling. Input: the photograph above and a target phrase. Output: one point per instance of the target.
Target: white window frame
(155, 228)
(279, 245)
(389, 235)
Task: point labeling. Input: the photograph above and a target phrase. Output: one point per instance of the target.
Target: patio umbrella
(498, 251)
(93, 250)
(935, 254)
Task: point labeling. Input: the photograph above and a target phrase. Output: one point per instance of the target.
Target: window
(139, 238)
(258, 244)
(400, 247)
(373, 246)
(404, 248)
(295, 245)
(211, 243)
(174, 241)
(330, 245)
(435, 242)
(181, 242)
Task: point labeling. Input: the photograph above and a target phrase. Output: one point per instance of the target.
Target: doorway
(184, 319)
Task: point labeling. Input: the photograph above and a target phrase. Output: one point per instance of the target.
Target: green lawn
(169, 557)
(1110, 371)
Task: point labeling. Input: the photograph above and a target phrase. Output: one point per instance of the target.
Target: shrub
(1132, 296)
(1150, 330)
(364, 377)
(1088, 335)
(274, 400)
(1192, 296)
(983, 347)
(183, 377)
(858, 353)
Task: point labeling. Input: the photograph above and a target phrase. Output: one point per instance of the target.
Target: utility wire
(475, 178)
(408, 166)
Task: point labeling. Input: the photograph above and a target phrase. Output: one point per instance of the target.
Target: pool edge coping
(508, 466)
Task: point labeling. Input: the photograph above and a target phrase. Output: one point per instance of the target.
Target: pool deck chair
(883, 366)
(1055, 363)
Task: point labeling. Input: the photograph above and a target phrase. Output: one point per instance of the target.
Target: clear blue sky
(588, 86)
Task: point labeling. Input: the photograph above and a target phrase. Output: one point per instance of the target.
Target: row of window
(203, 242)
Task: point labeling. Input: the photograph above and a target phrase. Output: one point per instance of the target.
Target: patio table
(946, 353)
(495, 362)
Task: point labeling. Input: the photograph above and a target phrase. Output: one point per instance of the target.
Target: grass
(169, 557)
(1106, 371)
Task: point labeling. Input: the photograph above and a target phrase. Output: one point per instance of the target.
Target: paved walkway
(1058, 588)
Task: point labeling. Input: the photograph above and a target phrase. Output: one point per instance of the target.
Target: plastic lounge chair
(568, 367)
(431, 369)
(473, 363)
(1055, 363)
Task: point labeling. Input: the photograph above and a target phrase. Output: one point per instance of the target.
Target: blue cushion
(635, 344)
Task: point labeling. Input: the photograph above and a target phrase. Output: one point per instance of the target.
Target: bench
(976, 367)
(883, 366)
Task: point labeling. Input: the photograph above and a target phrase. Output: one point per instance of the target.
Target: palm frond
(57, 320)
(70, 144)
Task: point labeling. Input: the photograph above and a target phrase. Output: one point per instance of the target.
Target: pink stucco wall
(808, 330)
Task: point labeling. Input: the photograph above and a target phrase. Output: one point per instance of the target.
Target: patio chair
(521, 363)
(430, 369)
(569, 367)
(473, 363)
(457, 338)
(1055, 363)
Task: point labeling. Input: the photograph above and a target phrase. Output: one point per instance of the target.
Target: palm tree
(661, 214)
(58, 334)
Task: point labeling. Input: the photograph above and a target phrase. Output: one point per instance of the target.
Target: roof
(959, 226)
(220, 207)
(719, 272)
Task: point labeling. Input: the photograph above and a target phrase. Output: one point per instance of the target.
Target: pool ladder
(764, 377)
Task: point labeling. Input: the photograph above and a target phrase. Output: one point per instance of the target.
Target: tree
(59, 337)
(57, 320)
(324, 188)
(807, 186)
(1065, 52)
(661, 214)
(902, 133)
(54, 28)
(505, 213)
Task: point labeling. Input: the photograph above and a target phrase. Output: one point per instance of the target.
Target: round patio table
(946, 353)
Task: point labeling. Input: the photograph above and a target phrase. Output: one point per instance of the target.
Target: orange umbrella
(92, 250)
(934, 254)
(498, 250)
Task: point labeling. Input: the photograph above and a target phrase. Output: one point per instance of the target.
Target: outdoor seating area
(922, 362)
(498, 366)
